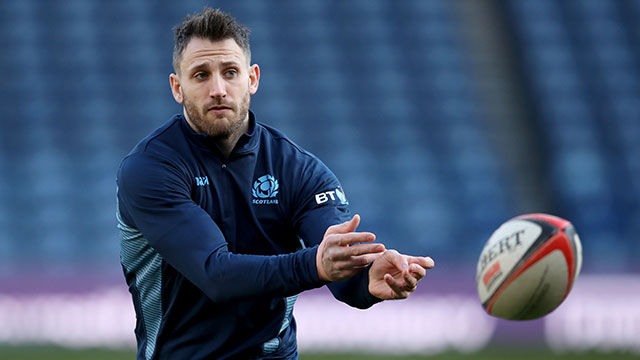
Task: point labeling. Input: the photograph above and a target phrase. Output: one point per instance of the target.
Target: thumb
(345, 227)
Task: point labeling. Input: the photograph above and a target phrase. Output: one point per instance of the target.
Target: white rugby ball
(528, 266)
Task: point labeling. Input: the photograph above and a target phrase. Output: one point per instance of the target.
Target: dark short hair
(211, 24)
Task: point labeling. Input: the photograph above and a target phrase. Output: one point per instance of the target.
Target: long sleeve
(153, 196)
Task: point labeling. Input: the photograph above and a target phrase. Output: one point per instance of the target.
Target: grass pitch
(55, 353)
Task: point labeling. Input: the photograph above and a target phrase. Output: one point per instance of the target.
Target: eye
(200, 75)
(231, 73)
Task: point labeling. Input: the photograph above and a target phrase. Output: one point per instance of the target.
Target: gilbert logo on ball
(528, 266)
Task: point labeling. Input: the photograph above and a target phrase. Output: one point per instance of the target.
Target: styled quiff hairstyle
(213, 25)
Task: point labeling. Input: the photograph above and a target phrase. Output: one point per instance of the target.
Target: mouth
(219, 108)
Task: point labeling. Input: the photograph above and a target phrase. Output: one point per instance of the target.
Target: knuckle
(330, 230)
(391, 252)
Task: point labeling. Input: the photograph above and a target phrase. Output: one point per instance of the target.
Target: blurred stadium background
(441, 118)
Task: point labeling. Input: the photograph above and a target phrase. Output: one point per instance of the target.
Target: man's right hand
(339, 255)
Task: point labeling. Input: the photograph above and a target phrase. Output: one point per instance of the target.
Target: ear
(254, 78)
(176, 88)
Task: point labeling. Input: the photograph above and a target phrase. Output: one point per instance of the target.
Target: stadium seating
(582, 70)
(381, 91)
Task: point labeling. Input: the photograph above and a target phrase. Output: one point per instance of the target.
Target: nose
(218, 88)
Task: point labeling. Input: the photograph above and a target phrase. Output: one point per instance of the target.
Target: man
(224, 220)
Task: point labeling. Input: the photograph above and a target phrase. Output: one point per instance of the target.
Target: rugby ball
(528, 266)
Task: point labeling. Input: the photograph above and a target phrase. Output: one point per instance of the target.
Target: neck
(224, 142)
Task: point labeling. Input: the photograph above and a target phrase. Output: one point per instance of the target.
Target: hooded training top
(216, 250)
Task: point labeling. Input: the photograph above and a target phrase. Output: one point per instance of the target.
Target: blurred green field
(54, 353)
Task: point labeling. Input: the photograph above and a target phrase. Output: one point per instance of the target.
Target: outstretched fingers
(425, 262)
(358, 255)
(364, 249)
(397, 287)
(344, 252)
(398, 260)
(417, 271)
(412, 269)
(396, 276)
(410, 280)
(350, 238)
(345, 227)
(418, 266)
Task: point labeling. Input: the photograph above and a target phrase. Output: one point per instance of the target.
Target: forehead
(200, 50)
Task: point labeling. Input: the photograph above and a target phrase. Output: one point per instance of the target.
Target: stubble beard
(218, 126)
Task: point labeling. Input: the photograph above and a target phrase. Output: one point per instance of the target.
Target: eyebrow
(230, 64)
(205, 64)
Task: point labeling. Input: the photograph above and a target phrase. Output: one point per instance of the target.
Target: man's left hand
(395, 276)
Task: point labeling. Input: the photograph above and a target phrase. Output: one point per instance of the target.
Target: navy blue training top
(216, 250)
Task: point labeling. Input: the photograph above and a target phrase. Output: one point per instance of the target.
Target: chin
(220, 130)
(217, 131)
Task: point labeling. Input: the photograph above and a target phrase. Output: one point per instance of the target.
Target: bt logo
(338, 194)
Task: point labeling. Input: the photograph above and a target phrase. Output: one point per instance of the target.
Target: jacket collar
(247, 143)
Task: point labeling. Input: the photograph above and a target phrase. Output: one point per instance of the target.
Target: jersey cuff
(313, 278)
(367, 298)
